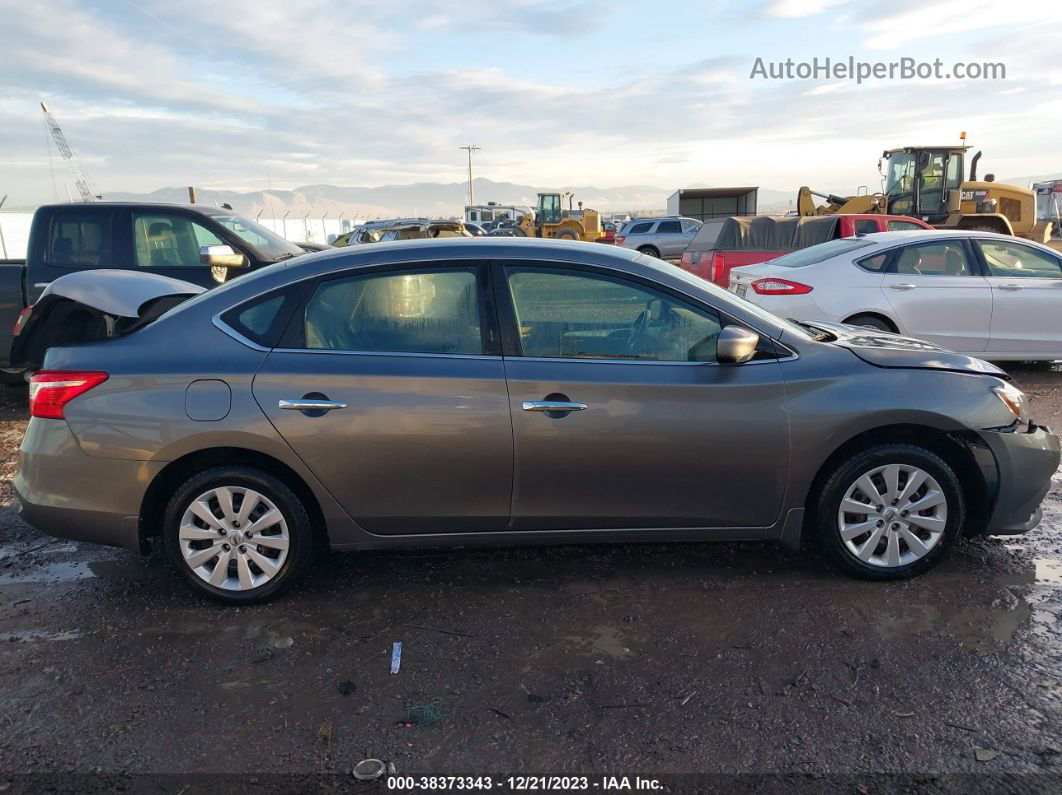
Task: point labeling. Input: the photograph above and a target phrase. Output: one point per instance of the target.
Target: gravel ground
(715, 658)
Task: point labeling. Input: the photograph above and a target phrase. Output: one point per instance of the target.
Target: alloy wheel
(892, 515)
(234, 538)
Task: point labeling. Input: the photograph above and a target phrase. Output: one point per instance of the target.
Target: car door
(1026, 287)
(391, 389)
(621, 416)
(670, 239)
(938, 294)
(169, 243)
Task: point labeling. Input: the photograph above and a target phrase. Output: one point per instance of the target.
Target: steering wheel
(638, 327)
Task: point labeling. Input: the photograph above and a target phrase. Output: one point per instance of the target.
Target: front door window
(571, 314)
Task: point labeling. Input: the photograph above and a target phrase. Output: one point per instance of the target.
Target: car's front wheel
(889, 512)
(238, 535)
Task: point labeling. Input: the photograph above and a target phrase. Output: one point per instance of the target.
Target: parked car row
(723, 244)
(978, 293)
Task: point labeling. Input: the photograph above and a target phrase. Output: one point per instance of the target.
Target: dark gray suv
(500, 391)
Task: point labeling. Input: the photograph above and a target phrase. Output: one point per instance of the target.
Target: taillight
(775, 286)
(686, 260)
(620, 238)
(20, 321)
(718, 269)
(50, 390)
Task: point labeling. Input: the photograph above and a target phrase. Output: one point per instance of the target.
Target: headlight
(1014, 399)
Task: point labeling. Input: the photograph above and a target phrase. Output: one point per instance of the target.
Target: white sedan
(993, 296)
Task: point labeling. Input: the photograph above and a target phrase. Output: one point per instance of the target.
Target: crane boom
(84, 187)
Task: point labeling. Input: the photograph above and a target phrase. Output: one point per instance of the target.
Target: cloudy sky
(222, 93)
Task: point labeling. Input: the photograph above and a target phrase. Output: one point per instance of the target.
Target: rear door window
(903, 226)
(669, 228)
(947, 258)
(866, 226)
(408, 311)
(80, 240)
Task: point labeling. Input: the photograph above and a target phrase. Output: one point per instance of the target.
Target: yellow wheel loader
(551, 220)
(927, 182)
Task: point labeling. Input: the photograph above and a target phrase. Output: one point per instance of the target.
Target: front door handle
(1010, 287)
(304, 404)
(553, 405)
(904, 286)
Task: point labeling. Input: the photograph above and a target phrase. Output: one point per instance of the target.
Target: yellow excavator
(927, 182)
(551, 220)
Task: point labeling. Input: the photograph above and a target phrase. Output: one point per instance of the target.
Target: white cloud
(794, 9)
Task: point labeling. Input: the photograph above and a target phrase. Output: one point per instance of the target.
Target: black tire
(824, 520)
(300, 552)
(872, 321)
(650, 251)
(566, 234)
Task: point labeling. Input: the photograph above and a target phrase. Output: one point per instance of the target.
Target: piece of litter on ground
(283, 643)
(368, 770)
(324, 734)
(904, 714)
(396, 656)
(985, 754)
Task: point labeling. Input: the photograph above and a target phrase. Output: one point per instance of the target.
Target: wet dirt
(665, 658)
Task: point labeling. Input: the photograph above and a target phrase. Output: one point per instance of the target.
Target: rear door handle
(304, 404)
(904, 286)
(1010, 287)
(553, 405)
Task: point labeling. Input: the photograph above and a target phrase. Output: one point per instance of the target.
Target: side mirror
(736, 345)
(221, 257)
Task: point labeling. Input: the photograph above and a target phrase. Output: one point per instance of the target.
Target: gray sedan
(500, 391)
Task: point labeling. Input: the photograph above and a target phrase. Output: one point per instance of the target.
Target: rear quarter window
(874, 264)
(262, 319)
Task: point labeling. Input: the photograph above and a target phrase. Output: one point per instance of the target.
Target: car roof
(900, 236)
(205, 209)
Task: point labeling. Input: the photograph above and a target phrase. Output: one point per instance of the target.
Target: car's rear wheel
(872, 321)
(889, 513)
(650, 251)
(238, 535)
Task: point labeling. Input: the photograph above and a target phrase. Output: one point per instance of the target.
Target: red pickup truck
(723, 244)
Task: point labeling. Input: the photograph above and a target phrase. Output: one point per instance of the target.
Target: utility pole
(470, 149)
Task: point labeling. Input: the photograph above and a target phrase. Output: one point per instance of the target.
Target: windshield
(823, 251)
(269, 244)
(900, 174)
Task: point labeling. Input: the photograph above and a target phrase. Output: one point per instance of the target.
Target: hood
(116, 292)
(883, 349)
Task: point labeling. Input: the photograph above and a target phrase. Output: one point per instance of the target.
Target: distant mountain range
(432, 199)
(437, 199)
